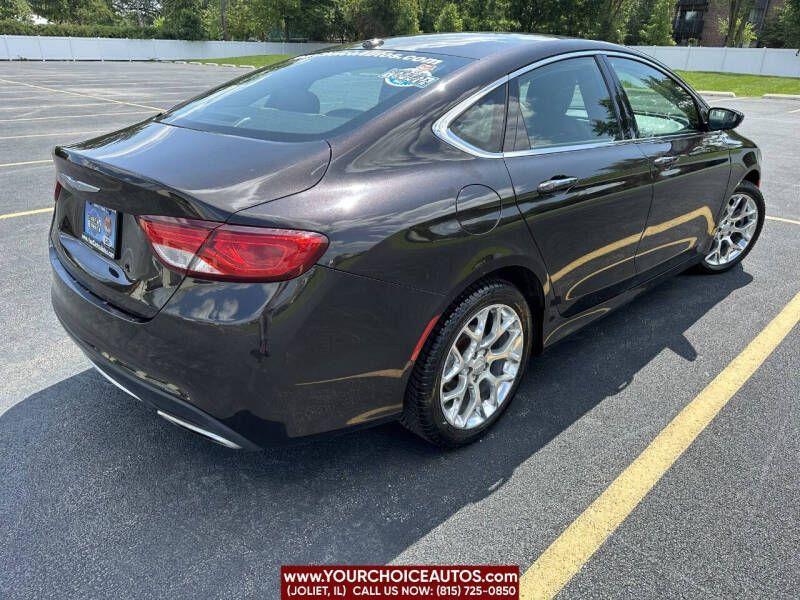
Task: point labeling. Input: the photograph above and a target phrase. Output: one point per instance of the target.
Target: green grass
(261, 60)
(741, 85)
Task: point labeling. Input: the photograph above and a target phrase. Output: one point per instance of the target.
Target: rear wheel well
(526, 282)
(753, 177)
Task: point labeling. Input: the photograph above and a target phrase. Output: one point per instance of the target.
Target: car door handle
(665, 161)
(557, 183)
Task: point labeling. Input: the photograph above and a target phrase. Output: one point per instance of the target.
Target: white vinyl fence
(755, 61)
(758, 61)
(23, 47)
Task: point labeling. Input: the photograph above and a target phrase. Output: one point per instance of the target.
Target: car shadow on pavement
(101, 498)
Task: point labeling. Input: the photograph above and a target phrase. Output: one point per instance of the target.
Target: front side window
(483, 124)
(565, 103)
(314, 97)
(660, 105)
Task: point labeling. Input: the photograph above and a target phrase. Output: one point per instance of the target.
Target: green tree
(341, 23)
(52, 10)
(93, 12)
(487, 15)
(735, 16)
(579, 18)
(783, 30)
(142, 13)
(658, 30)
(639, 16)
(429, 10)
(19, 10)
(383, 18)
(407, 19)
(282, 14)
(790, 19)
(612, 19)
(449, 19)
(83, 12)
(182, 19)
(532, 16)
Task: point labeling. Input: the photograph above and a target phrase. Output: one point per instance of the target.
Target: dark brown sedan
(388, 230)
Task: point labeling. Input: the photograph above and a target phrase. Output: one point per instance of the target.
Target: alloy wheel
(735, 230)
(481, 366)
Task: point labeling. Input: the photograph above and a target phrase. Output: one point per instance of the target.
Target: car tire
(489, 387)
(746, 194)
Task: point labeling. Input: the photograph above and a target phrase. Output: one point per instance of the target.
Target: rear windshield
(316, 96)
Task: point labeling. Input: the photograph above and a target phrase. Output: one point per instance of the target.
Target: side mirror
(721, 119)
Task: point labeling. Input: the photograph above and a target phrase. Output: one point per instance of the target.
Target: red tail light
(232, 252)
(57, 191)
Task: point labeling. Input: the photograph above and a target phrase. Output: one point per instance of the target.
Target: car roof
(480, 46)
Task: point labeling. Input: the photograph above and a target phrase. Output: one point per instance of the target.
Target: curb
(720, 94)
(782, 96)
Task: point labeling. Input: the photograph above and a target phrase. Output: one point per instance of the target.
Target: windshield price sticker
(439, 582)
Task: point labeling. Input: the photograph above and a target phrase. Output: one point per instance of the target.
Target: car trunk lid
(156, 169)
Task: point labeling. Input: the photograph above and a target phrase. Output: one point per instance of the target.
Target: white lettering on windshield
(378, 54)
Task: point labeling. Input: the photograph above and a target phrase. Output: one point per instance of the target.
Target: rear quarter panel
(389, 210)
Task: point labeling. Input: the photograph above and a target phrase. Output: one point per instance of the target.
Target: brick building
(699, 19)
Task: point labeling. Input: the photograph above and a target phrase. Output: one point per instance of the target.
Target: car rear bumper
(258, 364)
(171, 408)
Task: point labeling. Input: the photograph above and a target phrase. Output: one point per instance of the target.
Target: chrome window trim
(441, 127)
(566, 148)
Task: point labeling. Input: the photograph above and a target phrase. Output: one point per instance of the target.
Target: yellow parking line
(782, 220)
(127, 112)
(49, 89)
(26, 162)
(25, 213)
(578, 542)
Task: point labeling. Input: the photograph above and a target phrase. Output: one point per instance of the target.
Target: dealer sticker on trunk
(100, 228)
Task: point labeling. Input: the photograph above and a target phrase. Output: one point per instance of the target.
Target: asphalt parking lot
(100, 498)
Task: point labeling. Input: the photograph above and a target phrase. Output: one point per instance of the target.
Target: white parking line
(189, 95)
(41, 87)
(40, 106)
(37, 135)
(129, 112)
(15, 91)
(135, 84)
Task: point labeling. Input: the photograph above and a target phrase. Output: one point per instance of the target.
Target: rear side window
(482, 125)
(565, 103)
(316, 96)
(660, 105)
